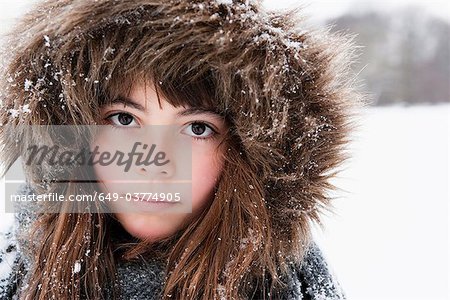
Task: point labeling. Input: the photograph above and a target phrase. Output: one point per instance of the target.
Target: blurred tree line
(405, 57)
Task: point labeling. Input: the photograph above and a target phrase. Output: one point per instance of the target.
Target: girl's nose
(157, 161)
(154, 172)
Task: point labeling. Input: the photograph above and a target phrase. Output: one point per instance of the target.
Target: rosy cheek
(204, 174)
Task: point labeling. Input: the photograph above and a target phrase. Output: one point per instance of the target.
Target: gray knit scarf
(144, 279)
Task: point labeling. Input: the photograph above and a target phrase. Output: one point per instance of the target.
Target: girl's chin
(149, 226)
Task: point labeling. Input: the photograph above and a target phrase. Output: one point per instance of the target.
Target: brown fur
(286, 94)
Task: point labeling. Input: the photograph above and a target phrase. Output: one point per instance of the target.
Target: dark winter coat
(312, 279)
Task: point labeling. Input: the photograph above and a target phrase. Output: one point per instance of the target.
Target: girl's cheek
(205, 173)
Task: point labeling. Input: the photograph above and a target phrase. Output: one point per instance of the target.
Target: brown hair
(285, 93)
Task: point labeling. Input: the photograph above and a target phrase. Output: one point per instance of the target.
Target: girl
(270, 110)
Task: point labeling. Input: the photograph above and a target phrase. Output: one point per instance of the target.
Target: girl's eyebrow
(186, 112)
(127, 102)
(197, 111)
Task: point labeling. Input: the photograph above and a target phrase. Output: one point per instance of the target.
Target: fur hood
(286, 88)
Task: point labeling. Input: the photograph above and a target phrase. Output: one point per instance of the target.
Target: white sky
(322, 9)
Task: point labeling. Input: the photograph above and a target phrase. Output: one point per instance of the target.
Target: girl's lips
(157, 201)
(142, 203)
(152, 200)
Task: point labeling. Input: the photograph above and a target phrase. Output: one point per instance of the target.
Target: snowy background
(389, 236)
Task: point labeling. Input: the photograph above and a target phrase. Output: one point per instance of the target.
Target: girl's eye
(200, 130)
(122, 120)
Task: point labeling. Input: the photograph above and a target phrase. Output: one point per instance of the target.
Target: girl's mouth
(135, 202)
(153, 202)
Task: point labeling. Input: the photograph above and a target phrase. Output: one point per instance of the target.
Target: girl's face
(204, 130)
